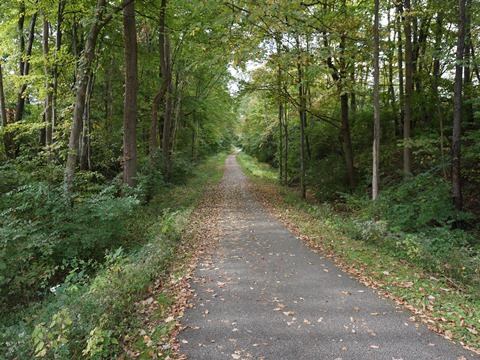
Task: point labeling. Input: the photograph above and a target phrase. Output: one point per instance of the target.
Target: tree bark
(376, 105)
(25, 68)
(130, 102)
(3, 111)
(48, 106)
(166, 69)
(407, 153)
(153, 139)
(82, 74)
(85, 163)
(58, 46)
(302, 112)
(401, 91)
(457, 108)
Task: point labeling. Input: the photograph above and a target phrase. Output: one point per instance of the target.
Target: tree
(407, 117)
(376, 104)
(166, 68)
(82, 78)
(457, 108)
(130, 102)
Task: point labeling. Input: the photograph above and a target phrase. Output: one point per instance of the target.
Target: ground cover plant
(90, 313)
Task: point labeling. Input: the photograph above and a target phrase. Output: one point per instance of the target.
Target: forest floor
(255, 290)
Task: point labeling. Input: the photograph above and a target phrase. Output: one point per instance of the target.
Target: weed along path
(262, 294)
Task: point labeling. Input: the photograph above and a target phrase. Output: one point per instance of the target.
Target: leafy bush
(39, 231)
(88, 317)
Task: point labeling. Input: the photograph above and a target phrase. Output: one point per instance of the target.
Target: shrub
(40, 232)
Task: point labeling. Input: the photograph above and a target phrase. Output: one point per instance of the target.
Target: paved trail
(262, 294)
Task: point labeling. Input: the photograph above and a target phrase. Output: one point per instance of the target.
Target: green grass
(375, 260)
(90, 316)
(254, 169)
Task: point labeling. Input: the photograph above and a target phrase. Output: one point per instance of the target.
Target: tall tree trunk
(178, 108)
(58, 46)
(85, 163)
(347, 140)
(302, 101)
(457, 108)
(3, 112)
(130, 102)
(286, 134)
(48, 107)
(407, 153)
(153, 137)
(435, 85)
(82, 74)
(401, 87)
(376, 105)
(25, 69)
(468, 110)
(166, 69)
(280, 120)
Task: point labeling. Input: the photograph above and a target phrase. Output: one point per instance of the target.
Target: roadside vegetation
(84, 305)
(434, 272)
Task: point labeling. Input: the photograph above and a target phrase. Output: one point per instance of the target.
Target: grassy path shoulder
(431, 300)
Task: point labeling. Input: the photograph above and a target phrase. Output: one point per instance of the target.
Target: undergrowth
(88, 314)
(427, 265)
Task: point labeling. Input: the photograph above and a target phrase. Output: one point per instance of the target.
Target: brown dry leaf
(473, 331)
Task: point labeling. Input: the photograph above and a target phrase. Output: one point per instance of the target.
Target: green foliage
(255, 168)
(40, 232)
(89, 311)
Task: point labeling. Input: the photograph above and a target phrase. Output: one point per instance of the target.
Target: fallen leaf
(169, 319)
(473, 331)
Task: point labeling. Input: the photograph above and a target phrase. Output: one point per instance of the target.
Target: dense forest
(107, 107)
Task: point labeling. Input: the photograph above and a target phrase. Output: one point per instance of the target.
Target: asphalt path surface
(262, 294)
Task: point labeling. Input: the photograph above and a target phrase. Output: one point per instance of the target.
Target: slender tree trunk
(302, 115)
(401, 91)
(166, 69)
(153, 139)
(82, 74)
(285, 128)
(178, 109)
(48, 107)
(468, 111)
(407, 153)
(435, 85)
(58, 46)
(85, 163)
(25, 70)
(347, 140)
(130, 102)
(3, 111)
(376, 105)
(457, 108)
